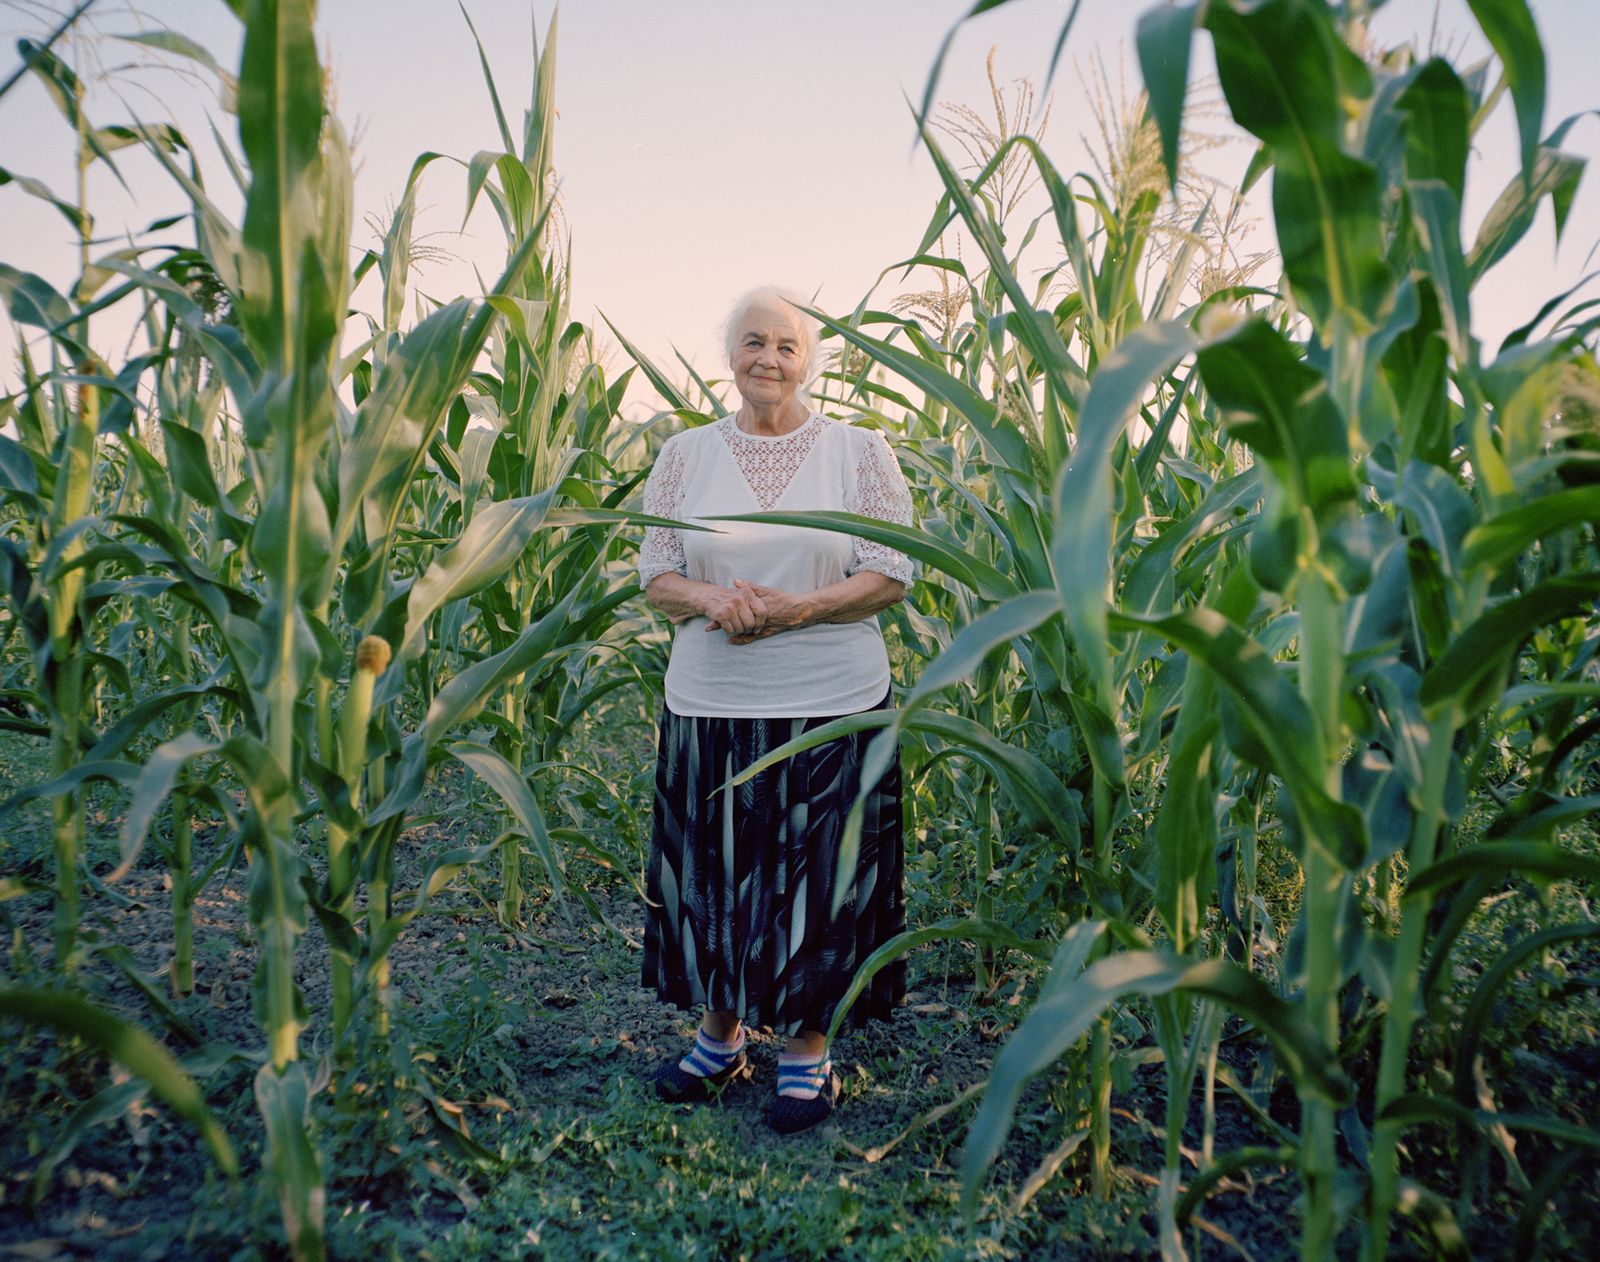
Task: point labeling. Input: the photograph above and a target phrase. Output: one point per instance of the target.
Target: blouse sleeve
(881, 492)
(662, 549)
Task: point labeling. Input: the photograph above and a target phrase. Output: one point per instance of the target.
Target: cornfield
(1252, 664)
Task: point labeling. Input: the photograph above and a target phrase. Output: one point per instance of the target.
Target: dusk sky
(706, 147)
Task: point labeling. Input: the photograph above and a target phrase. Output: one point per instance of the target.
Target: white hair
(780, 299)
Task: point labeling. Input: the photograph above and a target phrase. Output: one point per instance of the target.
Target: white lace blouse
(827, 669)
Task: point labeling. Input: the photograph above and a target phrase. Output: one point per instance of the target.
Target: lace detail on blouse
(883, 494)
(662, 549)
(769, 465)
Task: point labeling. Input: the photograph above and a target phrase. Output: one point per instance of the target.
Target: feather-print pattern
(741, 880)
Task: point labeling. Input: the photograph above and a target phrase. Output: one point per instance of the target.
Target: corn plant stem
(341, 883)
(1321, 680)
(182, 896)
(983, 899)
(1100, 1042)
(348, 754)
(74, 483)
(278, 829)
(377, 919)
(378, 898)
(1401, 1016)
(1183, 1059)
(322, 692)
(74, 486)
(182, 822)
(511, 847)
(1208, 1133)
(65, 821)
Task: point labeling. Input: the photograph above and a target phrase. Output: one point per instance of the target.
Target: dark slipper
(677, 1085)
(789, 1115)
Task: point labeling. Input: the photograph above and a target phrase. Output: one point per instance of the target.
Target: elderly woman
(777, 633)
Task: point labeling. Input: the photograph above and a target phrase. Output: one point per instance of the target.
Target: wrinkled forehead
(769, 319)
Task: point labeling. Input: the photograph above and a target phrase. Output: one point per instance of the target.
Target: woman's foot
(807, 1091)
(710, 1066)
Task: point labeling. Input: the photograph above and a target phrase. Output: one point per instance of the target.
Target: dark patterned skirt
(741, 881)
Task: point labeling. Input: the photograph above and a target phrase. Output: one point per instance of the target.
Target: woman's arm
(854, 599)
(737, 610)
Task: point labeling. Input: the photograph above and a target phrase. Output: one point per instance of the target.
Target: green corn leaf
(130, 1047)
(1437, 508)
(1476, 1016)
(981, 577)
(1279, 405)
(436, 876)
(1053, 1026)
(1471, 672)
(1420, 1107)
(1081, 546)
(1008, 621)
(1503, 860)
(1033, 788)
(1002, 441)
(122, 136)
(1152, 570)
(1165, 34)
(1035, 329)
(151, 791)
(170, 41)
(465, 695)
(1186, 822)
(611, 517)
(1509, 28)
(493, 769)
(284, 1100)
(1552, 815)
(663, 386)
(1225, 1166)
(1495, 543)
(1438, 118)
(190, 465)
(1276, 717)
(902, 944)
(1436, 218)
(111, 1104)
(110, 771)
(79, 219)
(1554, 174)
(488, 78)
(487, 549)
(33, 300)
(17, 474)
(1101, 739)
(979, 6)
(1283, 75)
(280, 127)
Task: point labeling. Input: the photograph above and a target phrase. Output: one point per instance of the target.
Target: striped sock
(803, 1077)
(711, 1056)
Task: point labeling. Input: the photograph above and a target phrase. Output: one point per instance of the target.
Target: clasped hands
(750, 612)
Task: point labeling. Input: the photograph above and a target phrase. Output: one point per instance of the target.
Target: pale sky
(707, 146)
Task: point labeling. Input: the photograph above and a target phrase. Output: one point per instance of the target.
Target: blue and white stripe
(710, 1056)
(803, 1077)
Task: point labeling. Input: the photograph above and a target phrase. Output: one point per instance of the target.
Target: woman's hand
(739, 610)
(784, 612)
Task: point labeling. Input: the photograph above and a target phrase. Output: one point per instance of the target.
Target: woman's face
(768, 358)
